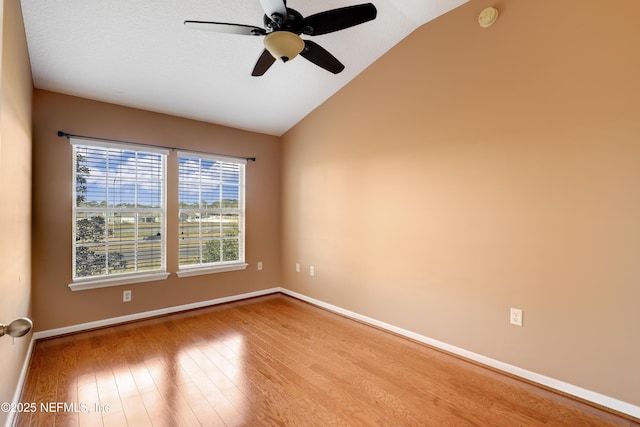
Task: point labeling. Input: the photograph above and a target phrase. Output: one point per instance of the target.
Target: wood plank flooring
(275, 361)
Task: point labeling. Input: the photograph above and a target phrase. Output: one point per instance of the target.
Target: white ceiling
(139, 54)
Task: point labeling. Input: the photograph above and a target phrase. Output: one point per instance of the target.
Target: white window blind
(119, 209)
(211, 208)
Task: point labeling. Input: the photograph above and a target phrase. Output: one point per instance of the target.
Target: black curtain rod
(71, 135)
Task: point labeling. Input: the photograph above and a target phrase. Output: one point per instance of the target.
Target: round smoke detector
(487, 17)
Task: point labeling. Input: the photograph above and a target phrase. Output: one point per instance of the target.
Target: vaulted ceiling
(140, 54)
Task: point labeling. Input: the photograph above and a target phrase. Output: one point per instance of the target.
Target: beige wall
(54, 304)
(472, 170)
(15, 193)
(465, 172)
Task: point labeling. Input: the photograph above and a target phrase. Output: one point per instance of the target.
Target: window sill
(82, 285)
(196, 271)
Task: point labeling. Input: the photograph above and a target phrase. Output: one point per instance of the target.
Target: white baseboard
(147, 314)
(114, 321)
(561, 386)
(11, 418)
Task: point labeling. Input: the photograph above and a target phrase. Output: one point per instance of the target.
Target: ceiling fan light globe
(283, 45)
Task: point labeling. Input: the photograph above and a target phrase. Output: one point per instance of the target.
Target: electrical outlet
(259, 265)
(126, 296)
(516, 317)
(312, 271)
(297, 268)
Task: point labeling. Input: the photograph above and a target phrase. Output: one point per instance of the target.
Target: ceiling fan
(283, 27)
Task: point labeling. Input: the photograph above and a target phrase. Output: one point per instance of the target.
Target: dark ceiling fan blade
(223, 27)
(271, 7)
(338, 19)
(321, 57)
(265, 61)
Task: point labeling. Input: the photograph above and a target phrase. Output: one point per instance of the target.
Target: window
(211, 210)
(119, 212)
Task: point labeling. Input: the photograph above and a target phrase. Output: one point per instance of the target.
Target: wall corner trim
(561, 386)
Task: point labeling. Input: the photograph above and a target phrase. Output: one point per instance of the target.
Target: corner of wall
(16, 90)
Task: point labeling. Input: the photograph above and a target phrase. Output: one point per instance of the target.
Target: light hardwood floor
(275, 361)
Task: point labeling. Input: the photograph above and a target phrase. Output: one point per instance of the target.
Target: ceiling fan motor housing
(292, 22)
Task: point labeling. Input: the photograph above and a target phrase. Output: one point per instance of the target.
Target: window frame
(115, 279)
(218, 266)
